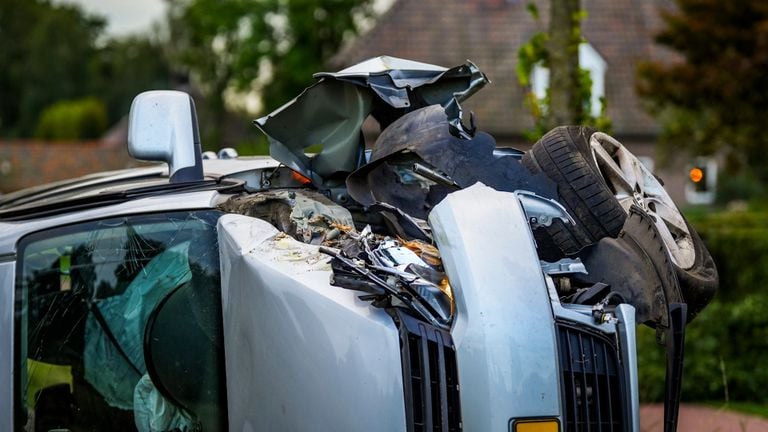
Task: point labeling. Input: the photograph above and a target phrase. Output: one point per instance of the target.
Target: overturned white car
(434, 283)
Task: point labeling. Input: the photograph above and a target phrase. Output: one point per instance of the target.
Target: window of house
(118, 326)
(590, 60)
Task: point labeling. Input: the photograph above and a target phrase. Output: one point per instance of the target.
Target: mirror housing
(162, 127)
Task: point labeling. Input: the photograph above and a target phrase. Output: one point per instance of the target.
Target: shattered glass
(109, 371)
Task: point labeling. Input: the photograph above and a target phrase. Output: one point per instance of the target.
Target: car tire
(564, 155)
(637, 266)
(599, 182)
(699, 282)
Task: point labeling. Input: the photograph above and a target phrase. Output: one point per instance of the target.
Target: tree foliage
(716, 98)
(728, 338)
(44, 56)
(126, 66)
(73, 120)
(54, 52)
(268, 47)
(221, 48)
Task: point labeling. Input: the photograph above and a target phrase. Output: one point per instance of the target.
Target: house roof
(489, 33)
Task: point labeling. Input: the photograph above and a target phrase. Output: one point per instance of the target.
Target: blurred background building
(71, 74)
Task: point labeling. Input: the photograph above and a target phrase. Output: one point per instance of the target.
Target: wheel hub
(632, 183)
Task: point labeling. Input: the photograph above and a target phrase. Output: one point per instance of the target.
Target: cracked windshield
(87, 293)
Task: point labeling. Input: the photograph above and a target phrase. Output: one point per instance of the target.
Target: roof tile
(489, 32)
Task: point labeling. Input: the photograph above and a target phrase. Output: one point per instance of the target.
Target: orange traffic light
(702, 180)
(696, 174)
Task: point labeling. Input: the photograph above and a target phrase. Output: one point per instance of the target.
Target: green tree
(569, 97)
(270, 47)
(126, 66)
(45, 58)
(204, 39)
(716, 98)
(56, 52)
(73, 120)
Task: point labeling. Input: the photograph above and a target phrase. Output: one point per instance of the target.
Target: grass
(742, 407)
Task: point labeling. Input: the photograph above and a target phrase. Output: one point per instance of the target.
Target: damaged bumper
(502, 306)
(292, 336)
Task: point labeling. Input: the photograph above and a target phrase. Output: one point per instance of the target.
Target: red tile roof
(489, 32)
(29, 163)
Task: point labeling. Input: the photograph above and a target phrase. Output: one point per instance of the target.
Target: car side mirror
(162, 127)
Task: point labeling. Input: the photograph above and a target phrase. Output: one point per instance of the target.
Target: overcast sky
(133, 16)
(124, 16)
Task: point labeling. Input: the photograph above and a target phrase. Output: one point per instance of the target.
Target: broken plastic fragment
(300, 178)
(542, 211)
(332, 111)
(423, 139)
(428, 253)
(564, 266)
(397, 256)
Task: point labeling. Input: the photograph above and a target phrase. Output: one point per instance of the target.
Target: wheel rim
(632, 183)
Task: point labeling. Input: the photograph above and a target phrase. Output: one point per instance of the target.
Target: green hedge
(738, 241)
(727, 344)
(73, 120)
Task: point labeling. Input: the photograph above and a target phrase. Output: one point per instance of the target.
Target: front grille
(592, 381)
(430, 377)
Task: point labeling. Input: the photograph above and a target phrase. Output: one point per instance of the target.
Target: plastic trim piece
(7, 380)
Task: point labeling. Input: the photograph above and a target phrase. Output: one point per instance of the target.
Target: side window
(590, 60)
(118, 326)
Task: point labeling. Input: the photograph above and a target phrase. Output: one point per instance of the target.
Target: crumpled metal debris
(394, 273)
(305, 215)
(332, 111)
(427, 252)
(417, 161)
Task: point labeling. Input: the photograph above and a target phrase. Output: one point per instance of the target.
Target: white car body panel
(307, 355)
(10, 232)
(502, 309)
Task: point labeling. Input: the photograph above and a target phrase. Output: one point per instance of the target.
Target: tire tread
(562, 155)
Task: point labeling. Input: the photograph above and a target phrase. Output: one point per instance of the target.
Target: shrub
(738, 242)
(73, 120)
(727, 344)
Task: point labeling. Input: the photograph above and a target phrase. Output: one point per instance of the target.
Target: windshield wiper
(36, 210)
(413, 303)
